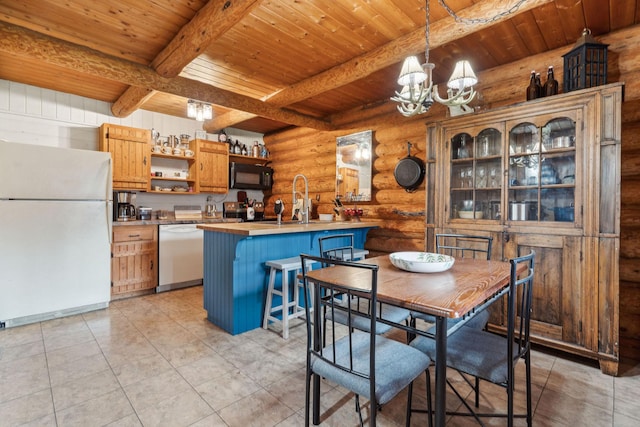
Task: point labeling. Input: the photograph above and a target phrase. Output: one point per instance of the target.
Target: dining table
(469, 286)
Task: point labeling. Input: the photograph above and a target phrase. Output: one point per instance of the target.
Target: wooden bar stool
(289, 308)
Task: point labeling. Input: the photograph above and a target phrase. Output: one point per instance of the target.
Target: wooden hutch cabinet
(129, 148)
(542, 175)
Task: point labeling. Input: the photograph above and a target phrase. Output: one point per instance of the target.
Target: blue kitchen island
(235, 276)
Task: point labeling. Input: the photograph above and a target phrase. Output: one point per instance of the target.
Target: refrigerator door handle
(109, 213)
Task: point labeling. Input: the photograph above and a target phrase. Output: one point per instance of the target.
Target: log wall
(312, 153)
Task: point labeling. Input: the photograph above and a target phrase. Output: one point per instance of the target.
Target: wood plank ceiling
(270, 64)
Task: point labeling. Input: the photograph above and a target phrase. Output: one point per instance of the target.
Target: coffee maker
(123, 208)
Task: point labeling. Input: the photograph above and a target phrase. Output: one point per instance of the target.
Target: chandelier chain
(502, 14)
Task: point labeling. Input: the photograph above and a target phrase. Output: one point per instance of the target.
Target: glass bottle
(539, 86)
(236, 148)
(222, 136)
(255, 150)
(244, 150)
(532, 91)
(551, 85)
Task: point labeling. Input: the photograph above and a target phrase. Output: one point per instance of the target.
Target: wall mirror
(353, 167)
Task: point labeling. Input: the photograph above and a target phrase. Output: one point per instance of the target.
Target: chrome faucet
(305, 200)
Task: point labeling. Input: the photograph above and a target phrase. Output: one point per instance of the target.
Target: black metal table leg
(441, 371)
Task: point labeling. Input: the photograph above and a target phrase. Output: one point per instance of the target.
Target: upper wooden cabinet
(136, 167)
(129, 148)
(213, 166)
(542, 175)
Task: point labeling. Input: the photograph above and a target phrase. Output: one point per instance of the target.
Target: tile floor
(156, 361)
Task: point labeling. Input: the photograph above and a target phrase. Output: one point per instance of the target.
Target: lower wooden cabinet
(134, 260)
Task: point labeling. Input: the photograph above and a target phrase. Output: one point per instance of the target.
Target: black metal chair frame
(344, 252)
(323, 297)
(457, 250)
(519, 302)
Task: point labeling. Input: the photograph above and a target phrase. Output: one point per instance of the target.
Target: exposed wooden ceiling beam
(443, 31)
(22, 42)
(213, 20)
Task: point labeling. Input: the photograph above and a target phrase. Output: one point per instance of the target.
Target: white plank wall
(33, 115)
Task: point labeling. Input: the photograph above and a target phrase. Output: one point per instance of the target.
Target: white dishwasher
(180, 261)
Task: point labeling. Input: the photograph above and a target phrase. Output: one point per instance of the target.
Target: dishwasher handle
(179, 228)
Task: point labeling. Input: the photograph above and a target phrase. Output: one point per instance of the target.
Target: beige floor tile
(259, 409)
(77, 368)
(181, 410)
(20, 335)
(61, 338)
(99, 411)
(141, 369)
(26, 409)
(21, 351)
(584, 383)
(227, 389)
(128, 421)
(119, 350)
(159, 355)
(71, 353)
(85, 388)
(183, 353)
(23, 376)
(206, 368)
(567, 410)
(212, 420)
(290, 389)
(148, 392)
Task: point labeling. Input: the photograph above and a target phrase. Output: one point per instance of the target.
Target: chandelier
(418, 92)
(200, 111)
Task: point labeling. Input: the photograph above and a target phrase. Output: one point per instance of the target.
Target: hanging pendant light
(200, 111)
(418, 92)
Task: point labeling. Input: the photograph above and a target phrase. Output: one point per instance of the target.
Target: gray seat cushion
(387, 312)
(397, 365)
(472, 351)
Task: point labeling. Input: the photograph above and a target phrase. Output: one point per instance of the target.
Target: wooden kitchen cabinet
(130, 154)
(134, 260)
(543, 175)
(213, 166)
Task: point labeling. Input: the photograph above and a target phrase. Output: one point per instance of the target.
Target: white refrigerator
(55, 232)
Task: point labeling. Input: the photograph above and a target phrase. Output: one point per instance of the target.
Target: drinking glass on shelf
(493, 177)
(481, 177)
(469, 177)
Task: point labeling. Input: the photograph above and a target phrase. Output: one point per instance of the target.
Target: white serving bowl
(421, 262)
(470, 214)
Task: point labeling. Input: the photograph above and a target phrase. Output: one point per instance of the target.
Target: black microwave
(251, 177)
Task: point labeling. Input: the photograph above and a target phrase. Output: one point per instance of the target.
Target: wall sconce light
(200, 111)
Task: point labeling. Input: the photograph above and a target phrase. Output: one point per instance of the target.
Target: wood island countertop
(265, 228)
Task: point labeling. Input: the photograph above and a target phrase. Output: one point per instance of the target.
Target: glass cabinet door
(476, 175)
(542, 171)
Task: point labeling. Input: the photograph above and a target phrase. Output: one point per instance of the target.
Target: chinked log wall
(313, 154)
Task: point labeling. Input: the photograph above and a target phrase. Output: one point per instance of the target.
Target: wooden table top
(451, 294)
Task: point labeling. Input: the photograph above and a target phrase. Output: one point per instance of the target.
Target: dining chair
(340, 246)
(461, 246)
(493, 357)
(369, 365)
